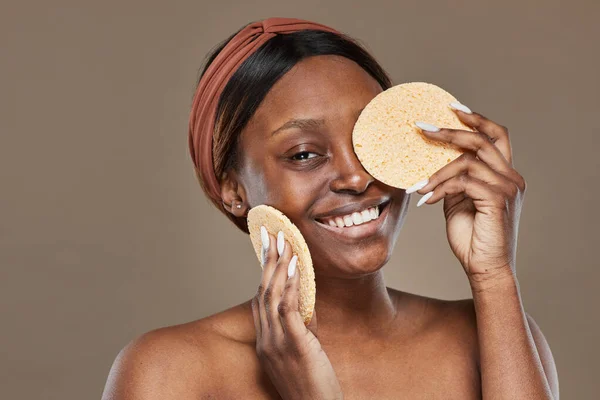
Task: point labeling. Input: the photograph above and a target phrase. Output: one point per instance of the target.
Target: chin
(364, 262)
(357, 262)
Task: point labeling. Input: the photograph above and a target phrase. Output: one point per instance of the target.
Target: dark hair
(249, 85)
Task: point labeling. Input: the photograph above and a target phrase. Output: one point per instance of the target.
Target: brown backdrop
(105, 233)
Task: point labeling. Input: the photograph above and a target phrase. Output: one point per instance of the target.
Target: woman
(272, 119)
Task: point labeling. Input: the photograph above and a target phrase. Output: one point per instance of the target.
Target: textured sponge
(274, 221)
(389, 145)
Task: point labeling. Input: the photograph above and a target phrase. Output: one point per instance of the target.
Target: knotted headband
(212, 83)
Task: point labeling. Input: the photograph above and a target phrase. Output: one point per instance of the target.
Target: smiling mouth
(356, 219)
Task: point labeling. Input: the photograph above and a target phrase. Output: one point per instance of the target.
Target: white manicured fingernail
(417, 186)
(427, 127)
(292, 266)
(461, 107)
(280, 242)
(424, 199)
(264, 236)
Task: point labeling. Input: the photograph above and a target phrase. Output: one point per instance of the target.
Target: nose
(350, 175)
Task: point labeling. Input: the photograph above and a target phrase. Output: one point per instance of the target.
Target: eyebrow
(306, 123)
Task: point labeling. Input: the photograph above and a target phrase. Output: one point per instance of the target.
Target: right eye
(303, 154)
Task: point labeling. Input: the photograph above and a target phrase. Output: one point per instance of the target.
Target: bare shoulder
(453, 321)
(180, 361)
(460, 311)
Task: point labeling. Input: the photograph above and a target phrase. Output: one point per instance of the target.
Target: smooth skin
(368, 341)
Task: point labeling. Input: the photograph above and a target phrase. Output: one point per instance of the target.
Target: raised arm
(483, 196)
(516, 361)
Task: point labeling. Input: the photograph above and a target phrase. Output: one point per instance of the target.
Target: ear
(233, 194)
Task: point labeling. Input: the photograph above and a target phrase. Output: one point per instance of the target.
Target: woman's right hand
(289, 352)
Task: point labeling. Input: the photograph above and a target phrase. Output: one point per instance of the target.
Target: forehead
(325, 87)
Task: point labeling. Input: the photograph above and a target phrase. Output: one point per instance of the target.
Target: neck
(353, 307)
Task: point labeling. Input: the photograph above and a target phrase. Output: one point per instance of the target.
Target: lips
(351, 208)
(360, 231)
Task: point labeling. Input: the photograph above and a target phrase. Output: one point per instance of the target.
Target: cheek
(293, 194)
(267, 183)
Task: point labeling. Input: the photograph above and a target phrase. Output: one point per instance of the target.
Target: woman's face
(309, 170)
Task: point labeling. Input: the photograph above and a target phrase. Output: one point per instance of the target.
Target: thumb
(312, 325)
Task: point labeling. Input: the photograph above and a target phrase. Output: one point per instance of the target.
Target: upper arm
(154, 366)
(545, 355)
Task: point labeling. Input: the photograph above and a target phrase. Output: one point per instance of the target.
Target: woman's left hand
(483, 195)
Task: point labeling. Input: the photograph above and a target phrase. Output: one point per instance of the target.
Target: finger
(468, 164)
(289, 307)
(268, 254)
(274, 290)
(312, 325)
(480, 192)
(269, 263)
(256, 318)
(497, 133)
(477, 142)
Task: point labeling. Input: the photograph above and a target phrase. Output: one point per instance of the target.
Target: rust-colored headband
(204, 107)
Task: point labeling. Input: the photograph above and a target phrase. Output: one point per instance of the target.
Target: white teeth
(348, 220)
(355, 218)
(366, 215)
(374, 212)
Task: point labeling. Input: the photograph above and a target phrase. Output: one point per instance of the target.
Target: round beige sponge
(274, 221)
(391, 147)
